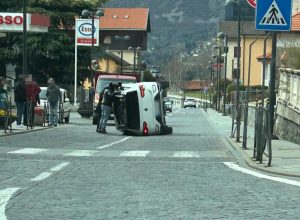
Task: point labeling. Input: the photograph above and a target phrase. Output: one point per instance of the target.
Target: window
(236, 52)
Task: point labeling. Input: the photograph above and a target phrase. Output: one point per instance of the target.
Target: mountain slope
(177, 25)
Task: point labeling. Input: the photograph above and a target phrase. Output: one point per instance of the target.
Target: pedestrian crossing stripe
(273, 16)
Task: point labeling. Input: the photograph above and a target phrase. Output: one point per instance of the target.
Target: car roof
(116, 77)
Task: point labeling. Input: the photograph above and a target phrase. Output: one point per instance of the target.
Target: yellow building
(249, 36)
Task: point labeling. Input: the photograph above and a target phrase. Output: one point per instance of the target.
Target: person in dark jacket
(32, 96)
(20, 99)
(106, 104)
(54, 97)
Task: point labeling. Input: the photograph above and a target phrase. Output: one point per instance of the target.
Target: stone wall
(287, 124)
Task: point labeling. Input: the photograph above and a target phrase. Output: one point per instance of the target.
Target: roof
(261, 57)
(296, 22)
(125, 19)
(195, 84)
(247, 28)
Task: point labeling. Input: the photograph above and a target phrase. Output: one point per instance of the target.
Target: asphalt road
(72, 172)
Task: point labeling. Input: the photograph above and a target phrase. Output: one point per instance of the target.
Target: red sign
(11, 20)
(252, 3)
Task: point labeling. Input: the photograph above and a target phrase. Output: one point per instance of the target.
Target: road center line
(59, 166)
(134, 153)
(113, 143)
(5, 195)
(236, 167)
(42, 176)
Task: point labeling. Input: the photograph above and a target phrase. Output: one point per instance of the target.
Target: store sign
(85, 32)
(13, 22)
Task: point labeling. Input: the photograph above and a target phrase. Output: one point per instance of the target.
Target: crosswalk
(116, 153)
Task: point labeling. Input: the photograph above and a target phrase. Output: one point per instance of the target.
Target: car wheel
(170, 110)
(67, 119)
(167, 130)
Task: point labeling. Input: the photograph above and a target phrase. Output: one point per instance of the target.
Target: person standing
(106, 104)
(32, 96)
(3, 95)
(20, 99)
(54, 97)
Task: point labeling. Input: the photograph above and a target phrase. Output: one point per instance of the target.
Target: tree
(50, 54)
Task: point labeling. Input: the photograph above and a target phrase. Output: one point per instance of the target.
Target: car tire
(170, 110)
(167, 130)
(67, 119)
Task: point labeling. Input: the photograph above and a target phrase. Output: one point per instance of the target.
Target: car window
(101, 83)
(43, 94)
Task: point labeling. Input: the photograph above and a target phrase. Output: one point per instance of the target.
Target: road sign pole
(272, 94)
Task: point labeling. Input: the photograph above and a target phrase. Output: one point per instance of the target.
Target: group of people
(26, 94)
(106, 100)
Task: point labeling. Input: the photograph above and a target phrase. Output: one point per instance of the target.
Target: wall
(287, 124)
(256, 67)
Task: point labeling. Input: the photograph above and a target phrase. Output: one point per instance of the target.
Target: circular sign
(252, 3)
(86, 29)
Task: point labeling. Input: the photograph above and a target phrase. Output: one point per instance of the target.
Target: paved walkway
(286, 155)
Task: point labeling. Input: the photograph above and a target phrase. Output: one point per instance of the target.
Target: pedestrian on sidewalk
(3, 95)
(32, 96)
(106, 105)
(54, 98)
(20, 99)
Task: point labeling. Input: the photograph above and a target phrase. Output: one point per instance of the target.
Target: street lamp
(24, 37)
(92, 14)
(238, 118)
(223, 37)
(121, 39)
(135, 49)
(217, 55)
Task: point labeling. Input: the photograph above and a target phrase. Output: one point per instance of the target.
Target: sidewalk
(286, 155)
(20, 130)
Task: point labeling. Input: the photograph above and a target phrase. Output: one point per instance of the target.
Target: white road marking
(134, 153)
(186, 154)
(29, 151)
(113, 143)
(81, 153)
(42, 176)
(4, 198)
(59, 166)
(236, 167)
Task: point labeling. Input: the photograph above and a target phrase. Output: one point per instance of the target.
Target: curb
(254, 165)
(23, 132)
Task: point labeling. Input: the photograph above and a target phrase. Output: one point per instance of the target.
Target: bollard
(259, 134)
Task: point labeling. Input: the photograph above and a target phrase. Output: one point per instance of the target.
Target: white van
(139, 110)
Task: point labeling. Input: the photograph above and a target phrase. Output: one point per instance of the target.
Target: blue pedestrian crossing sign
(273, 15)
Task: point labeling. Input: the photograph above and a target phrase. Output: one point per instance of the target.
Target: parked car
(65, 107)
(102, 82)
(189, 102)
(139, 110)
(167, 104)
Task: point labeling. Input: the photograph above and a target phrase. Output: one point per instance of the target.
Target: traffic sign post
(273, 15)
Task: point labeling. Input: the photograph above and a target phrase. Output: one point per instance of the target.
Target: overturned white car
(139, 110)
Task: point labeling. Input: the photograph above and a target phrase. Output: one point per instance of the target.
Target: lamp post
(224, 37)
(135, 49)
(92, 14)
(238, 117)
(24, 37)
(121, 39)
(217, 54)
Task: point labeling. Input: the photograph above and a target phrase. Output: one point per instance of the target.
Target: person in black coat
(20, 99)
